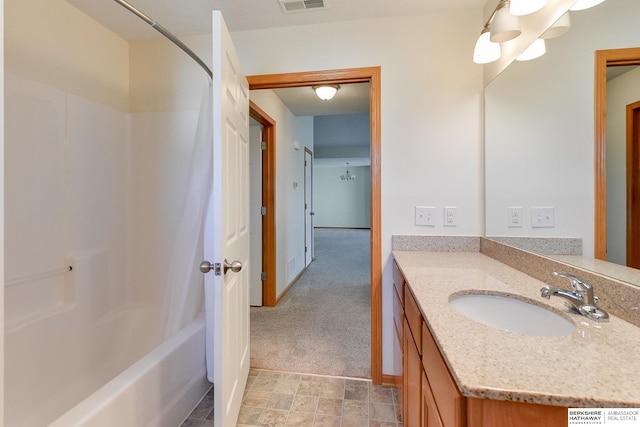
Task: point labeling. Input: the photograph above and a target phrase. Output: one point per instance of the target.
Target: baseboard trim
(293, 282)
(391, 380)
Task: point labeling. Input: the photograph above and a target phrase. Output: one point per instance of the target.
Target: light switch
(542, 217)
(425, 215)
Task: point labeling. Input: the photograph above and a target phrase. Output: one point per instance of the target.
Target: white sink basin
(513, 315)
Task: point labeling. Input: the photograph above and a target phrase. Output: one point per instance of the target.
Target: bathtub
(159, 390)
(113, 374)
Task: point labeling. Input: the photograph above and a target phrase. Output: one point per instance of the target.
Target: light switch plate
(542, 217)
(425, 215)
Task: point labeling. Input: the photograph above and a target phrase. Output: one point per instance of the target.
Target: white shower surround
(98, 190)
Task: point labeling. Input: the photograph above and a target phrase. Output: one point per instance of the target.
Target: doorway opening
(372, 76)
(603, 59)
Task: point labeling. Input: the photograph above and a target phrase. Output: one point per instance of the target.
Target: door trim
(269, 202)
(370, 75)
(633, 185)
(603, 59)
(308, 250)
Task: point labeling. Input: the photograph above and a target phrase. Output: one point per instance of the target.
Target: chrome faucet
(581, 299)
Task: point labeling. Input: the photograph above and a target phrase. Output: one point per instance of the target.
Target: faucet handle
(578, 284)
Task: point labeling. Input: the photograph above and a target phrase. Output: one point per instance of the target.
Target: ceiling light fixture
(504, 26)
(326, 92)
(535, 50)
(558, 28)
(348, 176)
(486, 51)
(526, 7)
(585, 4)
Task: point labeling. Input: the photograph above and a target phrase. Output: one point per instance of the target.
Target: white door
(308, 206)
(226, 234)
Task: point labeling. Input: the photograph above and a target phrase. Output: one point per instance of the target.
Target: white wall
(338, 203)
(539, 127)
(2, 213)
(621, 91)
(289, 171)
(431, 112)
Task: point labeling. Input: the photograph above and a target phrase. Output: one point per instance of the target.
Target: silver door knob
(235, 266)
(206, 266)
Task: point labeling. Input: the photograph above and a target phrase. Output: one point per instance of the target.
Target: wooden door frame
(269, 202)
(633, 185)
(370, 75)
(603, 59)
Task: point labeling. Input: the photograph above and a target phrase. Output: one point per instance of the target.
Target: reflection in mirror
(539, 132)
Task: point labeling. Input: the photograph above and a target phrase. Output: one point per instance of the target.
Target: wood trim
(392, 380)
(633, 185)
(268, 201)
(344, 76)
(604, 59)
(288, 288)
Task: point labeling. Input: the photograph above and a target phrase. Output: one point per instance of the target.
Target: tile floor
(281, 399)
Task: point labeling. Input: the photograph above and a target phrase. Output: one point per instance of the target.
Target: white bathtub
(160, 389)
(65, 372)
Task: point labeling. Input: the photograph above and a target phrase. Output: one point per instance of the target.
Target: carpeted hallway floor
(322, 325)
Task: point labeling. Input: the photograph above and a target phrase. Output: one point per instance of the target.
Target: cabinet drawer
(414, 318)
(398, 282)
(449, 401)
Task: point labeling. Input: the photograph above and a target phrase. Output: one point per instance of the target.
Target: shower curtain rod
(167, 34)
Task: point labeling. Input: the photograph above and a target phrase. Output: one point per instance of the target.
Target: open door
(226, 232)
(308, 207)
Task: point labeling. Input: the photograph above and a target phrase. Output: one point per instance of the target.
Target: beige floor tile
(329, 406)
(280, 401)
(309, 388)
(257, 399)
(327, 421)
(302, 403)
(300, 419)
(273, 418)
(351, 421)
(333, 390)
(382, 412)
(249, 415)
(353, 392)
(355, 408)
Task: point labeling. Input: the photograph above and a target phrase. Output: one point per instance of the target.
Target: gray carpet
(322, 325)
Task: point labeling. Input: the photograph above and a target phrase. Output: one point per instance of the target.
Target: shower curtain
(184, 293)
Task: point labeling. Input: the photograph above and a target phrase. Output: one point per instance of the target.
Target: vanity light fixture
(535, 50)
(585, 4)
(486, 51)
(526, 7)
(504, 25)
(326, 92)
(558, 28)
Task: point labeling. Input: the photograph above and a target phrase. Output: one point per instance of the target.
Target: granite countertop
(596, 366)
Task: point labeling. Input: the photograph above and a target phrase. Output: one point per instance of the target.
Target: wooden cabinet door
(412, 380)
(430, 415)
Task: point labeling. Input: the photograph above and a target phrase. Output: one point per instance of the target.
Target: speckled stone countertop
(597, 366)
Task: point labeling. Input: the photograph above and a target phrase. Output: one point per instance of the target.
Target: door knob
(235, 266)
(206, 266)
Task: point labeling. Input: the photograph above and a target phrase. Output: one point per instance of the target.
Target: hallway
(322, 325)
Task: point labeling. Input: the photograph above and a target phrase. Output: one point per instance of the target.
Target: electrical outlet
(542, 217)
(515, 216)
(450, 216)
(425, 215)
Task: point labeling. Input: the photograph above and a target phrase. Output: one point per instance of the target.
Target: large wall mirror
(539, 137)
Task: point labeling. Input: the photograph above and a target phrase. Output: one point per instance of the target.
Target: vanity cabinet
(430, 396)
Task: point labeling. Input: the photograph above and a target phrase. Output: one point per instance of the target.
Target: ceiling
(193, 17)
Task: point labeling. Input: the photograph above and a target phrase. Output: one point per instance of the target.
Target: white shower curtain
(183, 297)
